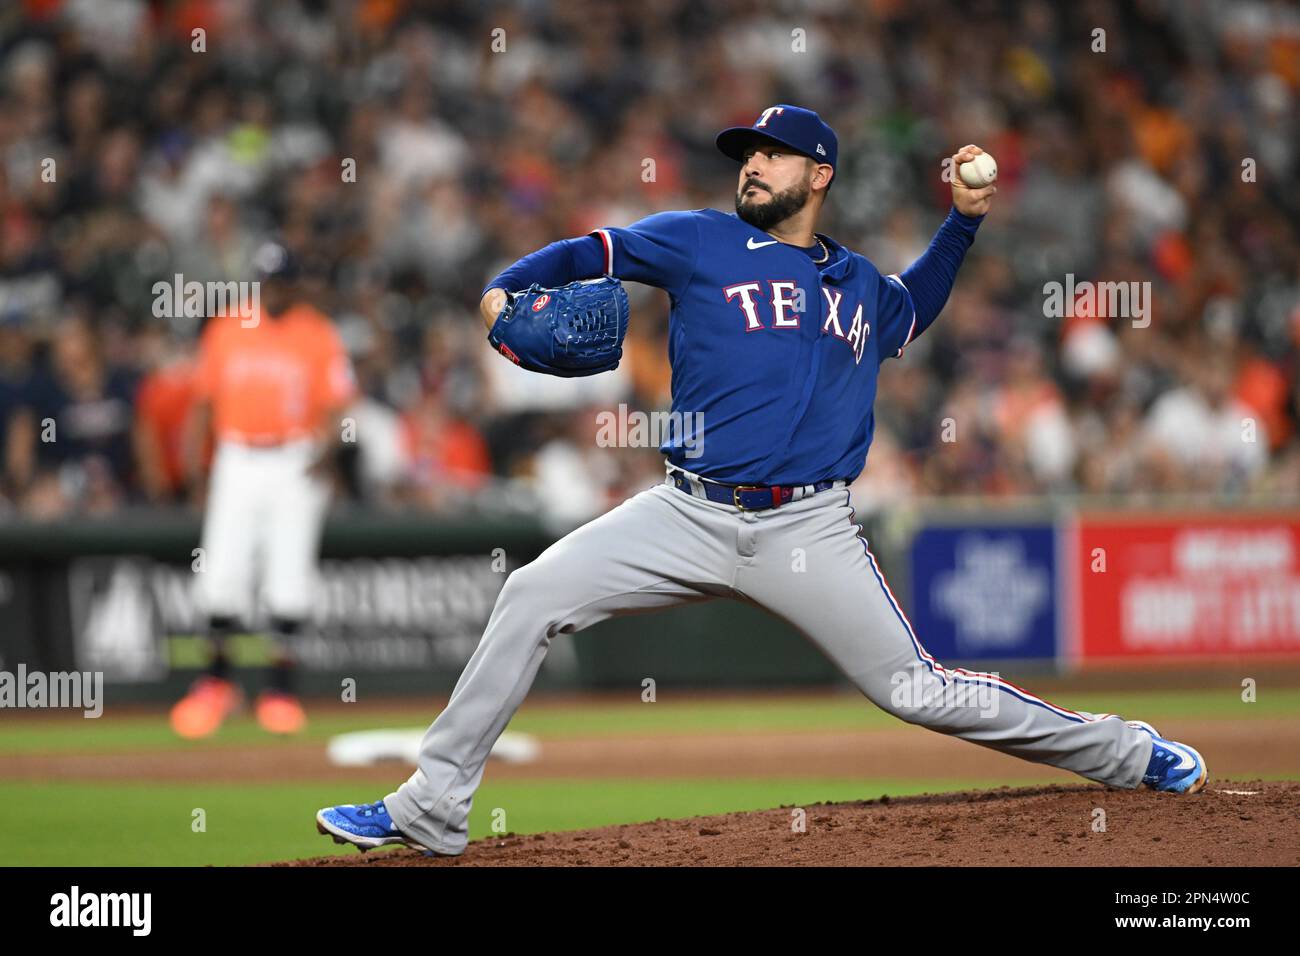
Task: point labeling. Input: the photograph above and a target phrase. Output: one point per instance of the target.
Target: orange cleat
(280, 713)
(203, 710)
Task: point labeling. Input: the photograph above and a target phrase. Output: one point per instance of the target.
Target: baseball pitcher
(776, 337)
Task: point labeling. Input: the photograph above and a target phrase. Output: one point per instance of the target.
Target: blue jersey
(773, 357)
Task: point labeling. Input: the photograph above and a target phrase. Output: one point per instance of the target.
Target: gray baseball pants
(804, 562)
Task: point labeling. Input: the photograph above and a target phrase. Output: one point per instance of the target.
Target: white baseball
(979, 172)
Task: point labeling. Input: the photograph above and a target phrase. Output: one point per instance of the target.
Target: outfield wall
(403, 600)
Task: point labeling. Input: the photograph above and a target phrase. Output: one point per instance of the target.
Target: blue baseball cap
(273, 260)
(800, 129)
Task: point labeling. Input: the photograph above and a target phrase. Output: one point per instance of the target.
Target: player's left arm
(909, 302)
(335, 389)
(146, 443)
(554, 265)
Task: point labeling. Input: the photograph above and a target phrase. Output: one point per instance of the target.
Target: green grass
(125, 823)
(135, 824)
(114, 732)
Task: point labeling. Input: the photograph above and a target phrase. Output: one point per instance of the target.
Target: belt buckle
(735, 495)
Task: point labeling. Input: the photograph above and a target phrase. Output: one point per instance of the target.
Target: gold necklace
(826, 253)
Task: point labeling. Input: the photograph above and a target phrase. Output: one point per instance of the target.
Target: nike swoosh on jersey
(751, 244)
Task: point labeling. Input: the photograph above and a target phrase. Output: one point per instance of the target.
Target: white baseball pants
(262, 524)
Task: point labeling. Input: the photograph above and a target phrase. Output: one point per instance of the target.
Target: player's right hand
(494, 300)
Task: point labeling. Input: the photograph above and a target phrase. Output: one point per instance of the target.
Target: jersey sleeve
(895, 316)
(921, 290)
(554, 265)
(207, 368)
(659, 250)
(336, 385)
(149, 398)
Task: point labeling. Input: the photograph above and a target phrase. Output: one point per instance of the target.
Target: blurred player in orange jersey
(272, 388)
(163, 404)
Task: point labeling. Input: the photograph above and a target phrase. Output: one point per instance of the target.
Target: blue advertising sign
(985, 593)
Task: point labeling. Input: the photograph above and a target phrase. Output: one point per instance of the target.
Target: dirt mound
(1231, 823)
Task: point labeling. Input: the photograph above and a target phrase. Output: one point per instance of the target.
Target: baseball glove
(574, 330)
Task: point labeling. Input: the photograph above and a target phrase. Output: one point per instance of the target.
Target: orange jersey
(162, 405)
(273, 381)
(449, 451)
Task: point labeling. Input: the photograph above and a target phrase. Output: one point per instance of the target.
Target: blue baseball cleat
(366, 826)
(1174, 767)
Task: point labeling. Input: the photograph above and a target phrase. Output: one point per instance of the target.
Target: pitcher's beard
(776, 210)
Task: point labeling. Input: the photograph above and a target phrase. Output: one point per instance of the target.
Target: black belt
(745, 497)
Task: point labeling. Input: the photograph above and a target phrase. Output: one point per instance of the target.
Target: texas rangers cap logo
(794, 126)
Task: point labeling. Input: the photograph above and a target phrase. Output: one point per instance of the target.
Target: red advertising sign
(1187, 586)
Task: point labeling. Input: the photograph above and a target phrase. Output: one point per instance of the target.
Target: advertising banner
(985, 592)
(1187, 586)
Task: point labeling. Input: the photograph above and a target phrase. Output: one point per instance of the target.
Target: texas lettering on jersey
(787, 302)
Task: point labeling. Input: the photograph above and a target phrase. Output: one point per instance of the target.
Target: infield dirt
(1231, 823)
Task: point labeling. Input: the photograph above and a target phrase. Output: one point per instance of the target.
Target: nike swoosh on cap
(751, 244)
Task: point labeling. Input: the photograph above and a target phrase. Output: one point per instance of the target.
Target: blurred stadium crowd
(1169, 158)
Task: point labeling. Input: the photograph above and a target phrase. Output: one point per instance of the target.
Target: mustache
(755, 182)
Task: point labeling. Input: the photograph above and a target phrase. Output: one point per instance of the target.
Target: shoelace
(372, 809)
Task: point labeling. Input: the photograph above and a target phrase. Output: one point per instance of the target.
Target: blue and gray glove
(574, 330)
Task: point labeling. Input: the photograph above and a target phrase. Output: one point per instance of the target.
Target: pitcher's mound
(1230, 823)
